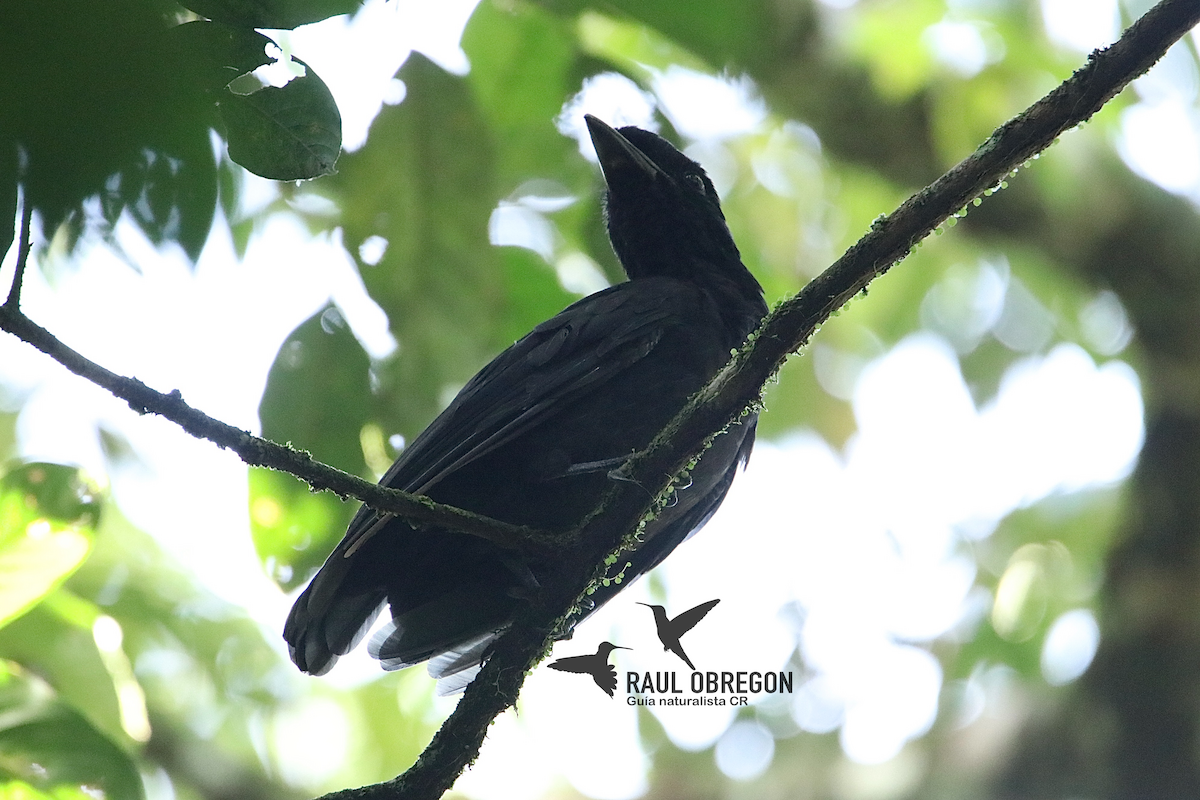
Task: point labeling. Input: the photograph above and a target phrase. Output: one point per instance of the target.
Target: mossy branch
(740, 384)
(254, 450)
(649, 474)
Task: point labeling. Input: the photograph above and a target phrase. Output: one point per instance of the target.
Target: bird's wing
(564, 358)
(688, 619)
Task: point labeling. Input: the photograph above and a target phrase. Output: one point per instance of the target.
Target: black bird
(669, 630)
(533, 437)
(596, 665)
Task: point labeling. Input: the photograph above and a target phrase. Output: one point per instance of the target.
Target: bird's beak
(617, 156)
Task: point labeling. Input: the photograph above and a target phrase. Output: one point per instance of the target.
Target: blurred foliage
(284, 513)
(47, 521)
(120, 669)
(115, 102)
(50, 750)
(427, 191)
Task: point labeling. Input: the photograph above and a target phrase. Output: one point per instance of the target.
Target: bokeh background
(969, 528)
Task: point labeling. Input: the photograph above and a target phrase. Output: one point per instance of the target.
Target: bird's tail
(331, 616)
(678, 650)
(447, 613)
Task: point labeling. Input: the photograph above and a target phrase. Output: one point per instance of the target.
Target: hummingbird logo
(669, 630)
(596, 665)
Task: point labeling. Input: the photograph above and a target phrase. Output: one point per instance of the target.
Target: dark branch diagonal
(740, 384)
(735, 389)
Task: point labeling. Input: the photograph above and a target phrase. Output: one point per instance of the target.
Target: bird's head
(607, 647)
(662, 211)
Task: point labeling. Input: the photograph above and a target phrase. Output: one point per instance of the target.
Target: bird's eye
(698, 182)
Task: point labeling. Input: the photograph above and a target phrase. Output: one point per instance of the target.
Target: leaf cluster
(109, 109)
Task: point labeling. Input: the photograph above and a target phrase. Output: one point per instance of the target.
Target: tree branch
(259, 452)
(739, 385)
(14, 293)
(651, 473)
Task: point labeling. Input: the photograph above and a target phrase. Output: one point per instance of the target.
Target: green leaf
(716, 30)
(33, 565)
(288, 133)
(524, 64)
(54, 640)
(318, 397)
(50, 747)
(322, 350)
(427, 186)
(48, 514)
(177, 198)
(219, 53)
(271, 13)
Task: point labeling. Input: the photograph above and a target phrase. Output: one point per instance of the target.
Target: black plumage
(532, 438)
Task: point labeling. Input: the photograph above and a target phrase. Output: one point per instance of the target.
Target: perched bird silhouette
(596, 665)
(669, 630)
(532, 439)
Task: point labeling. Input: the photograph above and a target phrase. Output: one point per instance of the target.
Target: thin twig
(259, 452)
(23, 248)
